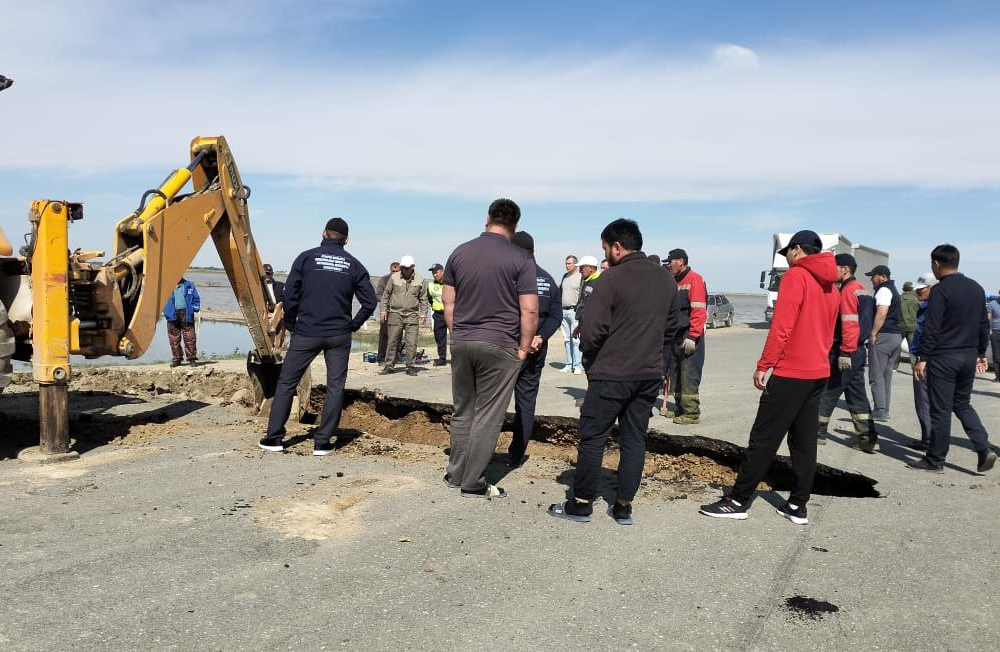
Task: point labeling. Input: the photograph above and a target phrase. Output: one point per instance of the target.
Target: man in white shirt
(885, 341)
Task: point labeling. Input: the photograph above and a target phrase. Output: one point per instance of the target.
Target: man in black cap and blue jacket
(319, 296)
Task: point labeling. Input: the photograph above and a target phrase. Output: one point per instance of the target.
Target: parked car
(720, 311)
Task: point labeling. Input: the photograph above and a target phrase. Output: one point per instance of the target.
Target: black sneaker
(923, 465)
(794, 514)
(867, 444)
(571, 510)
(440, 362)
(322, 450)
(725, 507)
(410, 371)
(448, 483)
(273, 445)
(175, 363)
(621, 513)
(489, 491)
(986, 461)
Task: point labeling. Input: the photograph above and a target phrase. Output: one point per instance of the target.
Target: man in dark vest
(885, 340)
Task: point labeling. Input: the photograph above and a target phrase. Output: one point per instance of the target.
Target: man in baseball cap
(886, 339)
(435, 292)
(688, 356)
(808, 238)
(847, 357)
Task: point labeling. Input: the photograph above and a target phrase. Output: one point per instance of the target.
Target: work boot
(866, 444)
(986, 461)
(440, 362)
(175, 363)
(687, 420)
(386, 370)
(821, 439)
(410, 371)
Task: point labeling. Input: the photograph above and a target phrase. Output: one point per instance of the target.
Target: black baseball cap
(880, 269)
(802, 238)
(435, 267)
(676, 254)
(268, 268)
(654, 258)
(846, 260)
(524, 240)
(338, 225)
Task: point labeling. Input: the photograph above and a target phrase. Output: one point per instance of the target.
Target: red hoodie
(805, 316)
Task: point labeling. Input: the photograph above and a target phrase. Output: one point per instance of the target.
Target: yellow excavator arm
(91, 307)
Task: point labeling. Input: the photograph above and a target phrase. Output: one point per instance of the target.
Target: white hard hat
(588, 260)
(925, 281)
(406, 261)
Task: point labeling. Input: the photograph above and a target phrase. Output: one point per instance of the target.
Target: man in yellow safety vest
(434, 291)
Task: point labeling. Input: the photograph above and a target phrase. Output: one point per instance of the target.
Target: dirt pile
(200, 383)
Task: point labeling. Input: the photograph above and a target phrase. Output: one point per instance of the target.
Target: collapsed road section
(675, 464)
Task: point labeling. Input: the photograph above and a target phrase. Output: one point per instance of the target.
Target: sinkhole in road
(686, 459)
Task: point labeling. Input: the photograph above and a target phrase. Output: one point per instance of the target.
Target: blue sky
(713, 125)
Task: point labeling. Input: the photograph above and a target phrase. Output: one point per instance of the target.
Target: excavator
(55, 303)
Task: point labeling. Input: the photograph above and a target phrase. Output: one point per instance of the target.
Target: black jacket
(956, 320)
(320, 291)
(633, 313)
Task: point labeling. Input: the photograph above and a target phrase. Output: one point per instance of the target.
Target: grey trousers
(400, 327)
(482, 383)
(882, 359)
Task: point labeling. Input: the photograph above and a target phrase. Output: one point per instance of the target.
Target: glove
(690, 346)
(844, 362)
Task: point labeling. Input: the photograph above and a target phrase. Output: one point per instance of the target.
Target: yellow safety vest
(435, 290)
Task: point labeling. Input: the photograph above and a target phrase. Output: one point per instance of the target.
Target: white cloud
(617, 127)
(736, 56)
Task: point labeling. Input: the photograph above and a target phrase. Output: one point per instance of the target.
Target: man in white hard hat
(404, 308)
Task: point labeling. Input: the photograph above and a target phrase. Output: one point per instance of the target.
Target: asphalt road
(184, 535)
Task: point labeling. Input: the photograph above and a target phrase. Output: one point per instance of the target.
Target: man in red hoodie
(797, 351)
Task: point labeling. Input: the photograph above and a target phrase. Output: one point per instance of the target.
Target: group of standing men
(501, 308)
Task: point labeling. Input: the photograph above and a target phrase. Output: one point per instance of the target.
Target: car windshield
(775, 280)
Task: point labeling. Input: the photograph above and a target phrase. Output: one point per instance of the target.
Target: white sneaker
(577, 372)
(566, 369)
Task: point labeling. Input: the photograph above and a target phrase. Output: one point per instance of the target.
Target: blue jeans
(569, 324)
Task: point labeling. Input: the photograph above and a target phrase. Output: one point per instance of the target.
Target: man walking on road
(383, 328)
(435, 290)
(952, 351)
(632, 312)
(921, 400)
(491, 307)
(688, 360)
(847, 358)
(404, 308)
(569, 289)
(797, 349)
(909, 305)
(526, 388)
(319, 295)
(993, 306)
(179, 313)
(885, 340)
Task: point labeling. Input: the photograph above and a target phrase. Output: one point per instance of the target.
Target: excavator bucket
(264, 382)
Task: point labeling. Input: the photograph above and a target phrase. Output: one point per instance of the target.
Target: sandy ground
(174, 530)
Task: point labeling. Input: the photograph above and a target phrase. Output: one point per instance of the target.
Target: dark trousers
(922, 405)
(441, 335)
(685, 379)
(302, 350)
(950, 377)
(995, 343)
(525, 395)
(176, 330)
(482, 380)
(851, 384)
(788, 405)
(630, 403)
(383, 340)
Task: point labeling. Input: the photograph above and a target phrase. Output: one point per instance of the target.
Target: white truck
(835, 243)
